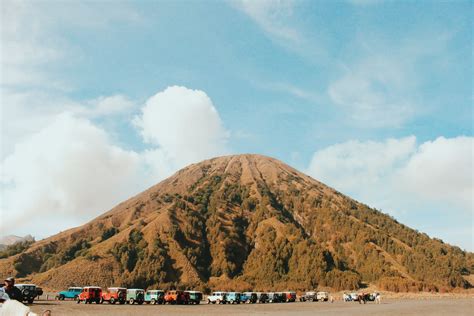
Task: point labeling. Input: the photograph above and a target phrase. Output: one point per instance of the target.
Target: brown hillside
(250, 221)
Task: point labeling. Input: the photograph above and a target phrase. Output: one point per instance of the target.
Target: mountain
(243, 222)
(10, 240)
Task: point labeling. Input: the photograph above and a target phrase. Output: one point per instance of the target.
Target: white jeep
(217, 298)
(322, 296)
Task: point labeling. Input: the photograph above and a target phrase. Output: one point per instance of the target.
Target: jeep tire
(131, 301)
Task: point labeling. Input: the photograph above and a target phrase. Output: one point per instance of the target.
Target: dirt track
(388, 307)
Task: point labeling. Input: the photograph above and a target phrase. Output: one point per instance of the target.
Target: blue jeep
(233, 297)
(72, 293)
(154, 297)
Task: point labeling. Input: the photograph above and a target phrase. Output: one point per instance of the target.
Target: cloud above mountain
(183, 124)
(381, 172)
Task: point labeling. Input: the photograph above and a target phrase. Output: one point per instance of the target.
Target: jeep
(195, 297)
(322, 296)
(28, 291)
(248, 297)
(354, 296)
(135, 296)
(309, 297)
(262, 297)
(114, 294)
(290, 296)
(233, 297)
(274, 297)
(155, 297)
(90, 294)
(346, 297)
(72, 293)
(217, 298)
(177, 297)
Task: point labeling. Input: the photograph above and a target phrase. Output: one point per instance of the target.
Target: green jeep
(135, 296)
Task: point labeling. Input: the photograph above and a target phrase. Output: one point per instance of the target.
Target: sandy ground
(442, 306)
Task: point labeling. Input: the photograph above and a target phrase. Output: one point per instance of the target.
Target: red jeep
(177, 297)
(90, 294)
(114, 294)
(290, 296)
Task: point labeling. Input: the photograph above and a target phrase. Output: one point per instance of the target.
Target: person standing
(13, 292)
(378, 298)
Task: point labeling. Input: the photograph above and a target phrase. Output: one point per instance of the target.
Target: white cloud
(106, 106)
(403, 178)
(26, 113)
(271, 16)
(375, 93)
(441, 171)
(67, 170)
(360, 166)
(280, 22)
(184, 124)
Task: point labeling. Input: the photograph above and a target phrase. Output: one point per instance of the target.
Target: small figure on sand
(378, 298)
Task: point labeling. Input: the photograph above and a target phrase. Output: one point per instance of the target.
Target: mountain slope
(250, 221)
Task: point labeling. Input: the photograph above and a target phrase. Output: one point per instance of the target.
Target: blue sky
(371, 97)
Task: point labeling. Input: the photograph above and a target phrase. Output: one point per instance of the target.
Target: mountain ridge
(252, 221)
